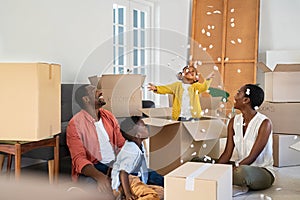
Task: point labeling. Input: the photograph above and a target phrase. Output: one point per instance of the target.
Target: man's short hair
(79, 93)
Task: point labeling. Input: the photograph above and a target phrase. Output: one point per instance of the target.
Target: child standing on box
(130, 173)
(186, 103)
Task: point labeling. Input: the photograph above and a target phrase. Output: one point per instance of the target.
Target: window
(130, 38)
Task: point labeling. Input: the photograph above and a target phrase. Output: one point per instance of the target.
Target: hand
(151, 87)
(130, 196)
(104, 184)
(211, 75)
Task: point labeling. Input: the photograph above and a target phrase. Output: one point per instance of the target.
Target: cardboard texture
(199, 181)
(30, 101)
(172, 143)
(122, 93)
(283, 155)
(284, 116)
(282, 84)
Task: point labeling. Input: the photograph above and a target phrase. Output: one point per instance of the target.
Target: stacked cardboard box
(30, 101)
(282, 106)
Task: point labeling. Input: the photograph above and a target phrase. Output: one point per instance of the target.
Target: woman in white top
(250, 133)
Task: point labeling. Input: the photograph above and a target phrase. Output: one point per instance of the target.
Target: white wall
(77, 34)
(60, 31)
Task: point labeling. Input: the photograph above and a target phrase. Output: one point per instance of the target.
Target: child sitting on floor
(130, 174)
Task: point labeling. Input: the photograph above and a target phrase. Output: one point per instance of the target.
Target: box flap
(159, 122)
(262, 66)
(158, 112)
(287, 68)
(296, 146)
(205, 129)
(123, 81)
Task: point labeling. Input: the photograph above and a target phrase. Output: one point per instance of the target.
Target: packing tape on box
(190, 180)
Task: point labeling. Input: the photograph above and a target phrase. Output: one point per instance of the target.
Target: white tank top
(244, 144)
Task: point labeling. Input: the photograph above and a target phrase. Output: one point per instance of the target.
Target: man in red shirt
(93, 138)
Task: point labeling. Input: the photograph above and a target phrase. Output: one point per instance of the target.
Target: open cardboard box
(172, 143)
(281, 84)
(30, 101)
(122, 93)
(199, 181)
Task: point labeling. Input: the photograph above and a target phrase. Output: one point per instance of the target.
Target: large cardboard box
(172, 143)
(122, 93)
(199, 181)
(30, 101)
(284, 116)
(282, 84)
(283, 154)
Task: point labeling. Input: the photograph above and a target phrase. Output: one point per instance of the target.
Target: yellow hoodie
(176, 90)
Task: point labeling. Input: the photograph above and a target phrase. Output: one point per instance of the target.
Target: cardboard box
(199, 181)
(172, 143)
(122, 93)
(284, 116)
(283, 154)
(30, 101)
(282, 84)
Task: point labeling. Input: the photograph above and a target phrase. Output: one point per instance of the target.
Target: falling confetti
(208, 13)
(203, 130)
(219, 59)
(256, 108)
(232, 19)
(239, 40)
(212, 27)
(208, 34)
(208, 27)
(211, 46)
(232, 10)
(238, 71)
(199, 62)
(217, 12)
(216, 68)
(204, 49)
(295, 137)
(226, 59)
(222, 105)
(232, 25)
(204, 145)
(206, 110)
(232, 42)
(200, 46)
(192, 145)
(195, 153)
(181, 161)
(203, 31)
(248, 91)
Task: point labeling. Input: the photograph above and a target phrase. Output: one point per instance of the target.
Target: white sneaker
(238, 190)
